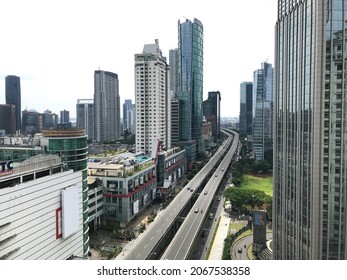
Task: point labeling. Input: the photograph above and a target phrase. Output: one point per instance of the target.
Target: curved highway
(181, 244)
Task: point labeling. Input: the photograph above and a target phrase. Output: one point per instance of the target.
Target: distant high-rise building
(174, 87)
(211, 110)
(64, 116)
(174, 64)
(31, 122)
(190, 80)
(175, 122)
(310, 129)
(49, 120)
(8, 118)
(106, 106)
(246, 108)
(127, 106)
(85, 116)
(263, 112)
(131, 120)
(153, 99)
(13, 96)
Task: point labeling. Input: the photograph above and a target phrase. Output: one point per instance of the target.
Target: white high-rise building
(152, 98)
(106, 106)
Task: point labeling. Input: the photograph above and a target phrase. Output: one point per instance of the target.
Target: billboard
(259, 227)
(70, 210)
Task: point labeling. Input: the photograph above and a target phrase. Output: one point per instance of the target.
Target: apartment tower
(152, 99)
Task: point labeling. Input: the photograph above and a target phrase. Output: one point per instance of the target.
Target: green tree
(246, 198)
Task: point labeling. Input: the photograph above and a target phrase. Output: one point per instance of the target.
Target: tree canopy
(245, 198)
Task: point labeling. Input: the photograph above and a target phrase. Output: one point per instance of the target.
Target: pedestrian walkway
(216, 251)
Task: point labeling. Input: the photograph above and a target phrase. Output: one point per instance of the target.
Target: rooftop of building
(126, 164)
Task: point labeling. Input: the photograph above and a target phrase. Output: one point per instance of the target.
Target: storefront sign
(6, 167)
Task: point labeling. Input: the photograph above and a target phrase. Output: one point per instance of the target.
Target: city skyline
(43, 58)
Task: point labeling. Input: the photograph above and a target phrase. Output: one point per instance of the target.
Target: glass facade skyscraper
(190, 71)
(262, 112)
(310, 128)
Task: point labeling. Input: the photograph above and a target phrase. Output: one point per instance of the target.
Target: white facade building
(152, 98)
(41, 211)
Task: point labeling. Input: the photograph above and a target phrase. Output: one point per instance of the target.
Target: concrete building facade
(41, 211)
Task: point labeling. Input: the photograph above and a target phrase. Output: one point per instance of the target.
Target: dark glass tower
(211, 108)
(310, 131)
(13, 97)
(190, 71)
(246, 101)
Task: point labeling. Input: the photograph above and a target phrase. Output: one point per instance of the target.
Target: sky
(55, 46)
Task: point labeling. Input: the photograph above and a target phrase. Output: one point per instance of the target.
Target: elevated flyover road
(180, 246)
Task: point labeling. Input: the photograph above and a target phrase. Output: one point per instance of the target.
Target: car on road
(196, 210)
(222, 169)
(205, 193)
(218, 198)
(191, 190)
(210, 216)
(216, 175)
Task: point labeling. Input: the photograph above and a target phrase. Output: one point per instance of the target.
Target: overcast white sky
(55, 46)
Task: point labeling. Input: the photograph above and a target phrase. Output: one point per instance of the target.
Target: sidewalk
(218, 242)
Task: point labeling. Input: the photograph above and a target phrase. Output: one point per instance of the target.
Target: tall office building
(310, 128)
(246, 101)
(85, 116)
(190, 79)
(263, 112)
(211, 110)
(127, 106)
(153, 99)
(13, 96)
(106, 106)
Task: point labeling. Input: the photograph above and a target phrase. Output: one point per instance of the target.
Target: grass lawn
(258, 183)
